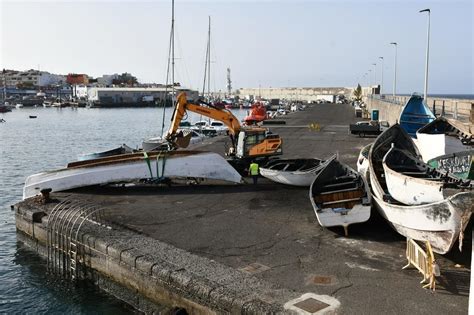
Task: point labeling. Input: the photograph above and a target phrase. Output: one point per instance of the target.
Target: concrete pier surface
(253, 249)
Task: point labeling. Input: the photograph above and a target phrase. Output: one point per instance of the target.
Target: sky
(265, 43)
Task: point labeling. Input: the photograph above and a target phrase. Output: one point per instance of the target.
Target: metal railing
(63, 231)
(422, 260)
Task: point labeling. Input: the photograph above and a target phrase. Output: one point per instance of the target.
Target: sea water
(50, 141)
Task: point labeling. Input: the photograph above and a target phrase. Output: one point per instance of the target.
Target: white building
(107, 79)
(32, 77)
(131, 95)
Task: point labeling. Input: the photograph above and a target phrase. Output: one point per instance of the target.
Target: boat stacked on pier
(419, 201)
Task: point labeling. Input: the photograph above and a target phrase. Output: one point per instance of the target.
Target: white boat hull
(176, 164)
(363, 162)
(303, 179)
(328, 218)
(433, 145)
(411, 190)
(439, 223)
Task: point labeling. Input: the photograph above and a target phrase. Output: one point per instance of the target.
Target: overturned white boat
(340, 196)
(444, 136)
(295, 172)
(131, 167)
(440, 223)
(412, 182)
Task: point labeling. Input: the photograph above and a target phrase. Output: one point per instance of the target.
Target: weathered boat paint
(460, 164)
(440, 223)
(429, 186)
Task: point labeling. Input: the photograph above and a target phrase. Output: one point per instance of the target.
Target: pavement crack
(344, 286)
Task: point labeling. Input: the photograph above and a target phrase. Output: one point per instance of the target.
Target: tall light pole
(370, 76)
(427, 54)
(395, 70)
(375, 73)
(381, 84)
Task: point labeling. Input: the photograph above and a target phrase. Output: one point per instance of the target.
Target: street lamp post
(370, 77)
(381, 84)
(427, 54)
(395, 70)
(375, 73)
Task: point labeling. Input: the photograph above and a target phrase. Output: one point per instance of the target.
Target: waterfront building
(32, 78)
(116, 96)
(107, 79)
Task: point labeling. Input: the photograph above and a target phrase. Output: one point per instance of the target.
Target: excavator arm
(248, 142)
(182, 106)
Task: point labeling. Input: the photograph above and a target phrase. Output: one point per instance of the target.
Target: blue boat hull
(415, 114)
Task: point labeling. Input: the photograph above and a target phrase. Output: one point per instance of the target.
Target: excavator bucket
(182, 140)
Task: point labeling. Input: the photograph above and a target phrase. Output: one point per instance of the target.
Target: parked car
(372, 127)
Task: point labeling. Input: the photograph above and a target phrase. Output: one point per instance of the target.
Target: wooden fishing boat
(414, 115)
(340, 196)
(440, 223)
(123, 149)
(295, 172)
(444, 136)
(459, 164)
(412, 182)
(131, 167)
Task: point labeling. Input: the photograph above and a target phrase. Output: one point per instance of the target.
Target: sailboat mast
(209, 62)
(172, 52)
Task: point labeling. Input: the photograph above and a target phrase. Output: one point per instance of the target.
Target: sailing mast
(207, 69)
(170, 51)
(209, 62)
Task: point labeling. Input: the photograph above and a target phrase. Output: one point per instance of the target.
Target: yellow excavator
(248, 142)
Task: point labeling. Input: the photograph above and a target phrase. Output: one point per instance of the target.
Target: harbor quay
(213, 248)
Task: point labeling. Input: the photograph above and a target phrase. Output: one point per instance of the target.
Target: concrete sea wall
(152, 276)
(391, 107)
(296, 94)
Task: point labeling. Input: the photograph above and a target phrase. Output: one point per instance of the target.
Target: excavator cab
(257, 142)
